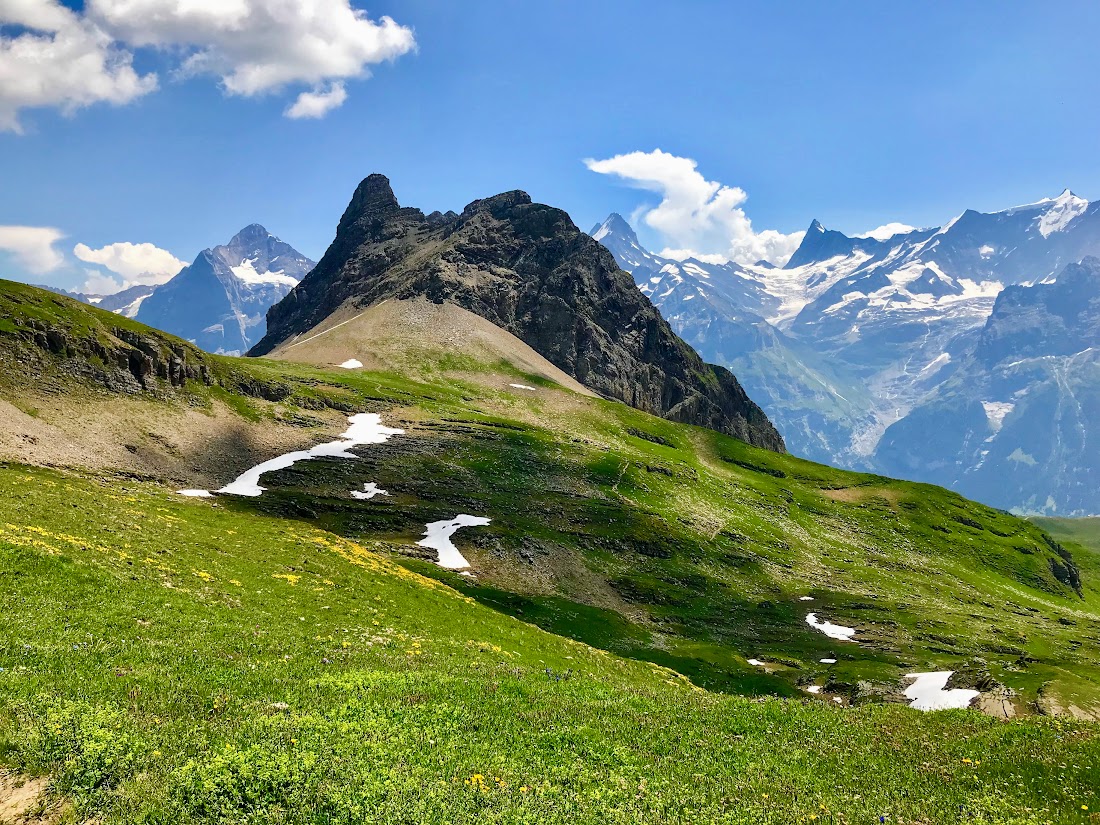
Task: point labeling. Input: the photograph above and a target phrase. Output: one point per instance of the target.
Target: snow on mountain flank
(1063, 210)
(995, 412)
(247, 273)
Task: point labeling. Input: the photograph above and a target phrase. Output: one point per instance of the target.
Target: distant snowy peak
(256, 257)
(220, 301)
(619, 237)
(1066, 208)
(614, 224)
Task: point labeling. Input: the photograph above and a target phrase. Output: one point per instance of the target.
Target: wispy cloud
(33, 247)
(696, 217)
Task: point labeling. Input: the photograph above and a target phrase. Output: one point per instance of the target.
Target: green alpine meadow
(630, 641)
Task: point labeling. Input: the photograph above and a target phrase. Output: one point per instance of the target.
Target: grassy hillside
(166, 660)
(295, 657)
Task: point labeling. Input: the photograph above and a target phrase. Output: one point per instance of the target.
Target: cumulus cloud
(33, 247)
(64, 60)
(136, 263)
(70, 59)
(697, 217)
(887, 231)
(317, 103)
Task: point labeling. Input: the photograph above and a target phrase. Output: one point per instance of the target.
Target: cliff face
(528, 269)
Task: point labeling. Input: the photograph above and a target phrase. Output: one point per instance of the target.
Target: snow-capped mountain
(220, 301)
(854, 333)
(1018, 422)
(124, 303)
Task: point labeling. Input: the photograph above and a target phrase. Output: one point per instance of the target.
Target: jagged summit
(614, 224)
(526, 268)
(219, 302)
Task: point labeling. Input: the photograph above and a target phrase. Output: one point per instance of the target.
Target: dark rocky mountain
(1018, 422)
(220, 301)
(526, 268)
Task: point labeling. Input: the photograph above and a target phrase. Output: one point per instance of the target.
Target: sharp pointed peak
(373, 198)
(614, 224)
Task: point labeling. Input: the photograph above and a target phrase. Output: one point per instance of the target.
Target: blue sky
(855, 113)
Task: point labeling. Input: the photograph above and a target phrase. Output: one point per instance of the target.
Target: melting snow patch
(928, 692)
(833, 631)
(351, 364)
(196, 493)
(524, 387)
(369, 491)
(805, 598)
(755, 662)
(996, 411)
(814, 688)
(365, 428)
(437, 536)
(827, 661)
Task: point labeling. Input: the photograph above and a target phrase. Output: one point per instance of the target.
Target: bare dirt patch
(391, 334)
(167, 442)
(858, 495)
(22, 800)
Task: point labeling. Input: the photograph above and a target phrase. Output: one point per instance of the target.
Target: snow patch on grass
(437, 536)
(833, 631)
(929, 692)
(364, 428)
(369, 491)
(351, 364)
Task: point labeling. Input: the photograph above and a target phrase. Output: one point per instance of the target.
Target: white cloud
(64, 61)
(887, 231)
(137, 263)
(99, 284)
(72, 59)
(317, 103)
(257, 46)
(33, 246)
(697, 217)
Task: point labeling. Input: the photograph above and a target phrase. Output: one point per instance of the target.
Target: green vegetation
(295, 658)
(166, 660)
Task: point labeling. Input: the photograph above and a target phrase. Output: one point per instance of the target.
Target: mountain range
(853, 335)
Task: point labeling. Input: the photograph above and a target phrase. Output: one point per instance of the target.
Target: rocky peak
(614, 226)
(526, 268)
(497, 203)
(373, 200)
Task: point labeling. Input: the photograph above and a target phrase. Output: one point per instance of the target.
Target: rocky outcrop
(131, 362)
(525, 267)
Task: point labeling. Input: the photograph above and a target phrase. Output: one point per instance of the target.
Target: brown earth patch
(22, 800)
(168, 442)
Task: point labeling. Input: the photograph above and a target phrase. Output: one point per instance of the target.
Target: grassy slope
(149, 639)
(654, 540)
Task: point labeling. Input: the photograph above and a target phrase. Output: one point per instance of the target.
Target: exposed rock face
(126, 361)
(528, 269)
